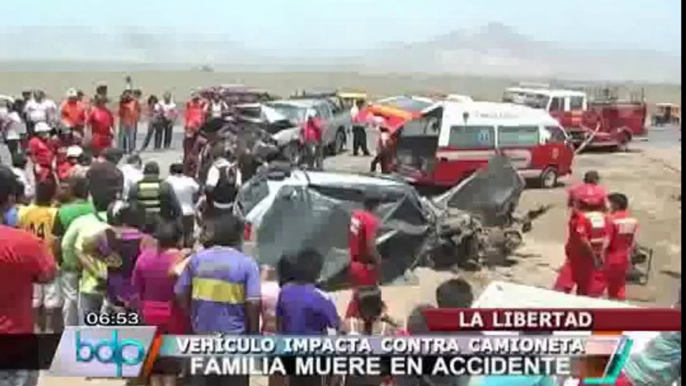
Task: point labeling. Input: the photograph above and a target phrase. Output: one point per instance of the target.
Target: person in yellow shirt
(38, 218)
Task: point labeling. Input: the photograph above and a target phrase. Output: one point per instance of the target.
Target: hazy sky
(352, 24)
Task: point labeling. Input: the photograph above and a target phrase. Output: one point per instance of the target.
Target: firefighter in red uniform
(622, 241)
(365, 259)
(589, 188)
(589, 233)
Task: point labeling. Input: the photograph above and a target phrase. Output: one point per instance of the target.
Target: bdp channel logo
(102, 351)
(127, 352)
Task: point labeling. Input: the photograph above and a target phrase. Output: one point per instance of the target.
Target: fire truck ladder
(588, 139)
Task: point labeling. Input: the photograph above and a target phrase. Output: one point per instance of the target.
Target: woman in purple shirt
(303, 309)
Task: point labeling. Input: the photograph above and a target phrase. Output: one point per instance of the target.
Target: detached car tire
(548, 179)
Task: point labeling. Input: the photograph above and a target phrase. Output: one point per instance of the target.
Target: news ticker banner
(130, 351)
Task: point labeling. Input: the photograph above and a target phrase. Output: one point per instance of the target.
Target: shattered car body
(248, 141)
(479, 216)
(287, 210)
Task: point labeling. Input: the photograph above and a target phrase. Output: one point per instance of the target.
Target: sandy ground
(650, 174)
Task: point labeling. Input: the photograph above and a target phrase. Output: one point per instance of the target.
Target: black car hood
(319, 217)
(489, 194)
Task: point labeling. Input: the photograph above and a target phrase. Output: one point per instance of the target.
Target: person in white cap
(42, 151)
(40, 109)
(73, 115)
(69, 166)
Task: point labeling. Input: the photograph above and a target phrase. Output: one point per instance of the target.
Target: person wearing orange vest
(73, 116)
(622, 242)
(194, 117)
(589, 188)
(589, 233)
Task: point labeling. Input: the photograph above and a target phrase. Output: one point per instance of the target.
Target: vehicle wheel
(548, 179)
(624, 145)
(339, 143)
(292, 153)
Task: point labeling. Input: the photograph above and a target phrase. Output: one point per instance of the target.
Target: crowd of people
(91, 229)
(65, 260)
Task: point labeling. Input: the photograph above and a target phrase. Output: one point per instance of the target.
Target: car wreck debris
(293, 209)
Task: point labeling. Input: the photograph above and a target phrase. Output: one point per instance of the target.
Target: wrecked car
(286, 210)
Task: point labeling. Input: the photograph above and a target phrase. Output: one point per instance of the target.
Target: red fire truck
(602, 120)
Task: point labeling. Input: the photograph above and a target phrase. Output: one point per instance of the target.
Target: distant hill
(494, 50)
(498, 50)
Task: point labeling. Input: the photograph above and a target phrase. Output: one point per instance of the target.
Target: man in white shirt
(12, 128)
(224, 178)
(133, 173)
(167, 108)
(187, 192)
(39, 109)
(24, 175)
(217, 107)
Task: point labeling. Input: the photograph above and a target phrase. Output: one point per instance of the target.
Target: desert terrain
(182, 83)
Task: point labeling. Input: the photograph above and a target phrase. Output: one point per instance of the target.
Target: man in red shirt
(312, 137)
(589, 188)
(24, 260)
(365, 259)
(622, 241)
(101, 122)
(589, 234)
(194, 117)
(42, 151)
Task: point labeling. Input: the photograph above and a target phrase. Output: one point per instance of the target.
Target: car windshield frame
(293, 113)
